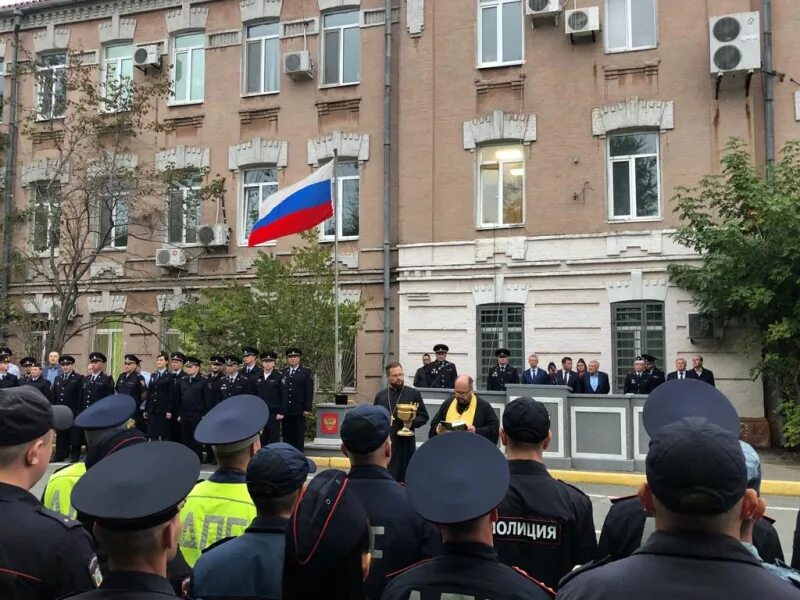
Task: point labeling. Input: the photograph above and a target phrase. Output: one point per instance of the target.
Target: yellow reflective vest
(213, 511)
(59, 489)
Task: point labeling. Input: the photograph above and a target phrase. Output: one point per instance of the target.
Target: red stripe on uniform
(18, 574)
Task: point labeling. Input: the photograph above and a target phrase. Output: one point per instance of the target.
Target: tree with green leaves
(746, 227)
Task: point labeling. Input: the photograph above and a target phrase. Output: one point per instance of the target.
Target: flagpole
(337, 359)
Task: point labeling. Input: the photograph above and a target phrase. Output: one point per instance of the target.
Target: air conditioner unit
(542, 8)
(147, 56)
(213, 235)
(297, 65)
(170, 258)
(582, 21)
(703, 328)
(735, 43)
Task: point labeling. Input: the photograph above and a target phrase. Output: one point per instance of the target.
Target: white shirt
(13, 369)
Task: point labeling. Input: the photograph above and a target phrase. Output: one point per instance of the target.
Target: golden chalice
(406, 413)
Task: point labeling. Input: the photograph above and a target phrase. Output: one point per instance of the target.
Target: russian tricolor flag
(298, 207)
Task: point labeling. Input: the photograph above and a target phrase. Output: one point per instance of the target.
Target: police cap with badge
(179, 356)
(293, 351)
(192, 361)
(97, 357)
(26, 415)
(269, 355)
(233, 424)
(249, 351)
(217, 360)
(502, 353)
(441, 348)
(232, 359)
(66, 359)
(107, 413)
(132, 358)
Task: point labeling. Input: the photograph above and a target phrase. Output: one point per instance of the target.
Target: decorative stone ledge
(516, 84)
(188, 121)
(350, 106)
(182, 157)
(415, 17)
(116, 29)
(253, 10)
(258, 114)
(102, 268)
(336, 4)
(500, 126)
(513, 247)
(500, 292)
(636, 288)
(258, 151)
(345, 145)
(633, 113)
(171, 302)
(42, 170)
(649, 69)
(51, 39)
(106, 302)
(186, 18)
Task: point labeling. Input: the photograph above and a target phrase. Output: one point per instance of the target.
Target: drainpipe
(387, 163)
(769, 90)
(11, 162)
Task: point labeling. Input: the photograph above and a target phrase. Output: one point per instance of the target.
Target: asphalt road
(782, 508)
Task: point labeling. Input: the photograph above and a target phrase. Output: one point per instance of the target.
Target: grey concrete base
(638, 465)
(601, 464)
(324, 448)
(558, 463)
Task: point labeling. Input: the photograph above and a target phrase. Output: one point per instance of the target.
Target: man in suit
(40, 383)
(268, 386)
(594, 381)
(298, 390)
(68, 390)
(566, 376)
(502, 373)
(7, 380)
(441, 373)
(389, 397)
(535, 375)
(161, 400)
(419, 376)
(655, 376)
(466, 407)
(698, 372)
(636, 380)
(251, 371)
(680, 371)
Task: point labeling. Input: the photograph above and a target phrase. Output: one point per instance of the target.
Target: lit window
(500, 27)
(117, 77)
(257, 185)
(347, 182)
(341, 48)
(631, 25)
(501, 189)
(262, 58)
(633, 176)
(51, 86)
(189, 66)
(183, 214)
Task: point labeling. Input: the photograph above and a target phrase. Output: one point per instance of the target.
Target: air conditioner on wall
(213, 235)
(171, 258)
(735, 43)
(297, 65)
(148, 56)
(582, 21)
(542, 8)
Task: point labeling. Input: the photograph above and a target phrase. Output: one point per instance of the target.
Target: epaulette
(63, 520)
(768, 519)
(574, 487)
(583, 569)
(409, 567)
(217, 543)
(621, 498)
(550, 591)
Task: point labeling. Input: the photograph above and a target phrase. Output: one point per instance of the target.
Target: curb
(634, 480)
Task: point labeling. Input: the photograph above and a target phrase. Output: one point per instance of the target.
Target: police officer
(245, 566)
(177, 361)
(215, 378)
(441, 373)
(544, 526)
(108, 415)
(636, 380)
(40, 383)
(221, 507)
(234, 383)
(697, 489)
(68, 391)
(443, 488)
(400, 536)
(25, 363)
(138, 530)
(194, 401)
(250, 370)
(131, 382)
(42, 553)
(12, 368)
(97, 384)
(162, 400)
(655, 376)
(7, 379)
(502, 373)
(298, 390)
(268, 385)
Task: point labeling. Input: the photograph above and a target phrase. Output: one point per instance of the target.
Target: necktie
(680, 375)
(94, 378)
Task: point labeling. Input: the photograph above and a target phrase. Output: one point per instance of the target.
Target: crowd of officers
(470, 522)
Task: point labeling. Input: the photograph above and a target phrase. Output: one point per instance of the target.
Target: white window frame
(479, 195)
(105, 330)
(243, 233)
(263, 42)
(631, 160)
(629, 30)
(111, 245)
(339, 182)
(118, 62)
(51, 214)
(186, 191)
(484, 4)
(55, 69)
(189, 51)
(341, 29)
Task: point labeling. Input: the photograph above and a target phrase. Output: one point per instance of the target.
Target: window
(501, 189)
(112, 231)
(636, 328)
(172, 340)
(257, 184)
(500, 27)
(347, 182)
(262, 58)
(183, 214)
(108, 337)
(630, 25)
(46, 226)
(633, 176)
(117, 77)
(499, 326)
(341, 48)
(189, 64)
(51, 86)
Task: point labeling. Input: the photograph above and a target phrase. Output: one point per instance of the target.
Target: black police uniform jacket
(194, 396)
(465, 570)
(270, 390)
(252, 375)
(679, 564)
(636, 384)
(215, 387)
(97, 389)
(43, 554)
(68, 390)
(8, 381)
(133, 385)
(233, 387)
(129, 585)
(545, 526)
(499, 376)
(441, 374)
(486, 422)
(624, 526)
(654, 379)
(162, 394)
(403, 447)
(298, 390)
(419, 376)
(401, 537)
(43, 386)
